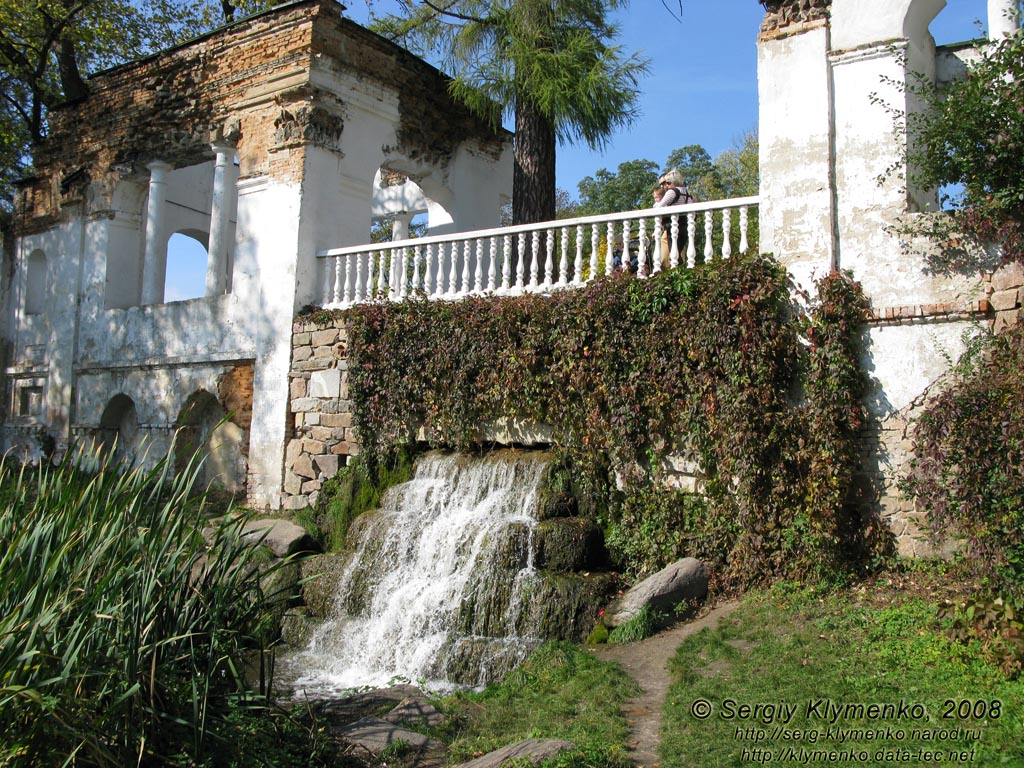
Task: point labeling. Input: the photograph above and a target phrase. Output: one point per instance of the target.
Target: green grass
(560, 692)
(874, 644)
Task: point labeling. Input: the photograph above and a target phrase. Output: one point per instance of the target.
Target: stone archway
(119, 429)
(205, 434)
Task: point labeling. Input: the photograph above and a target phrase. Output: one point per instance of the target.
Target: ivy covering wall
(718, 364)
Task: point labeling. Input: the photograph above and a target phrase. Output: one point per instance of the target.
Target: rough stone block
(297, 388)
(301, 353)
(1008, 276)
(294, 502)
(292, 483)
(310, 486)
(325, 337)
(328, 464)
(313, 446)
(336, 420)
(303, 404)
(1003, 300)
(303, 466)
(325, 383)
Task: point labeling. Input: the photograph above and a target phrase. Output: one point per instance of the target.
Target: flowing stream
(438, 588)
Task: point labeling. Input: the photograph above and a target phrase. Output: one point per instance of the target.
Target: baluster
(327, 293)
(626, 264)
(467, 257)
(673, 244)
(691, 233)
(453, 270)
(641, 255)
(360, 296)
(492, 271)
(393, 272)
(744, 245)
(726, 233)
(417, 254)
(506, 263)
(595, 241)
(371, 285)
(577, 267)
(428, 281)
(479, 283)
(521, 263)
(549, 261)
(337, 295)
(659, 246)
(535, 263)
(609, 256)
(403, 275)
(709, 247)
(346, 294)
(563, 259)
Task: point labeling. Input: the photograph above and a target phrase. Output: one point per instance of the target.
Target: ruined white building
(265, 141)
(283, 135)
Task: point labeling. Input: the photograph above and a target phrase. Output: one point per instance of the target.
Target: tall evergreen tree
(549, 63)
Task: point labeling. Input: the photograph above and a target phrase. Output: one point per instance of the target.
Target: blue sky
(702, 85)
(701, 89)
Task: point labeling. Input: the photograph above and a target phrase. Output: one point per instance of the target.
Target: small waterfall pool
(437, 591)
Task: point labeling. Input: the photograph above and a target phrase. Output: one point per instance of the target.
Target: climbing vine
(711, 364)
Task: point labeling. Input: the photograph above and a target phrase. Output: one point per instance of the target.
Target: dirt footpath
(647, 663)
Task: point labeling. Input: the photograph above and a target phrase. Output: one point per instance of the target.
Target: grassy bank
(811, 658)
(561, 692)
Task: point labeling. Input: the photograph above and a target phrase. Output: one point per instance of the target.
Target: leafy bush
(123, 636)
(996, 624)
(967, 473)
(708, 362)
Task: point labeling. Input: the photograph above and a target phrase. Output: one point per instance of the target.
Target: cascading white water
(406, 602)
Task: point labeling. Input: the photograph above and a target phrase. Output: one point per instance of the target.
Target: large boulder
(282, 537)
(684, 580)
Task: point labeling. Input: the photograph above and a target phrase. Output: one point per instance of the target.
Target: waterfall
(437, 590)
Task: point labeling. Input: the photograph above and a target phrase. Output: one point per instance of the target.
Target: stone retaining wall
(321, 435)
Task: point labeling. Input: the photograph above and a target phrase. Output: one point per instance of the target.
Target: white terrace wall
(826, 70)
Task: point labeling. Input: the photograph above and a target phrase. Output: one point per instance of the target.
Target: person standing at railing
(674, 191)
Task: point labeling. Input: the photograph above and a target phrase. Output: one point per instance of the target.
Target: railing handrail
(600, 218)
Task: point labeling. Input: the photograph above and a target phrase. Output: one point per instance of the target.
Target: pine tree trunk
(533, 183)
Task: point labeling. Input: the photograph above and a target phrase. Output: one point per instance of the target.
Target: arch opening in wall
(119, 429)
(206, 435)
(35, 283)
(187, 259)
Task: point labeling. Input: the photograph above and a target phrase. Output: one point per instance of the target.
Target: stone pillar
(1003, 18)
(223, 203)
(154, 266)
(400, 226)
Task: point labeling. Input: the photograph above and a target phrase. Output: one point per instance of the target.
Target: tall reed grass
(123, 631)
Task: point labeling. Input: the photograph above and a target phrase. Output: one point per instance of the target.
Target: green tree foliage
(627, 189)
(48, 46)
(550, 63)
(734, 173)
(969, 142)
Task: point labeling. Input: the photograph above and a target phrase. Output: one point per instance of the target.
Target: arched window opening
(187, 257)
(206, 435)
(119, 428)
(35, 283)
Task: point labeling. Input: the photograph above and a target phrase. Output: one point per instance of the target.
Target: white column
(220, 213)
(400, 226)
(154, 266)
(1003, 18)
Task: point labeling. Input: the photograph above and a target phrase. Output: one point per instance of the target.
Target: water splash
(436, 590)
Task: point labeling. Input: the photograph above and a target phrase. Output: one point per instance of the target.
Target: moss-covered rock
(320, 577)
(570, 544)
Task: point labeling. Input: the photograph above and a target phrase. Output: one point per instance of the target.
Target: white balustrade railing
(535, 257)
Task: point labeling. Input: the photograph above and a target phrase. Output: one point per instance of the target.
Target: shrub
(967, 473)
(708, 362)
